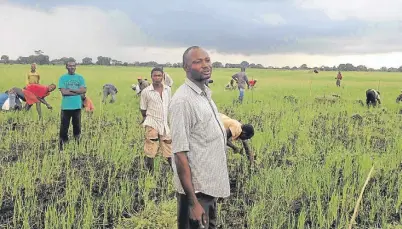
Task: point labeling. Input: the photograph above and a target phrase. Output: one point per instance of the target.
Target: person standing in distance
(72, 86)
(154, 107)
(198, 145)
(242, 80)
(33, 76)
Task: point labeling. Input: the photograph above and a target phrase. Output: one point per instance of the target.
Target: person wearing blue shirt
(72, 86)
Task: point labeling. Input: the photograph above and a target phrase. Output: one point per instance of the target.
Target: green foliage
(312, 155)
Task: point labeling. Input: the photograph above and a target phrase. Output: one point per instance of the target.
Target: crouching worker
(237, 131)
(399, 98)
(372, 97)
(31, 94)
(87, 103)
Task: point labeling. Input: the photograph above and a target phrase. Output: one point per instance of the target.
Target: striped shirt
(198, 130)
(157, 108)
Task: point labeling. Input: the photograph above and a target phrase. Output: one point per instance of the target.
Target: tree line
(41, 59)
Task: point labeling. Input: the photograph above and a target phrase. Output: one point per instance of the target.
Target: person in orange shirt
(237, 131)
(252, 83)
(87, 104)
(33, 76)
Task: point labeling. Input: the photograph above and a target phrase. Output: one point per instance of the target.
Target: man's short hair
(156, 69)
(248, 130)
(186, 53)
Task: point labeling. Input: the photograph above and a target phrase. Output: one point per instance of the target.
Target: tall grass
(313, 156)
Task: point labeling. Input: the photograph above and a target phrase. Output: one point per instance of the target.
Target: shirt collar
(197, 89)
(153, 89)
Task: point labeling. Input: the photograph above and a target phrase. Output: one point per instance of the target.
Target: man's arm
(42, 100)
(67, 92)
(184, 173)
(249, 153)
(143, 106)
(80, 91)
(232, 146)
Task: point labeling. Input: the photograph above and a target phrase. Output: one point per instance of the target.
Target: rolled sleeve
(143, 101)
(180, 124)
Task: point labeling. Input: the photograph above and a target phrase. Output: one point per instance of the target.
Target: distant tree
(5, 59)
(217, 65)
(383, 69)
(260, 66)
(303, 67)
(87, 61)
(294, 68)
(103, 60)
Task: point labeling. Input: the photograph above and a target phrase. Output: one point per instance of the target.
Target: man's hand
(49, 107)
(197, 213)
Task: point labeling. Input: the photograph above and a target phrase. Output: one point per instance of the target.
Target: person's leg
(76, 116)
(113, 95)
(166, 148)
(65, 117)
(241, 95)
(151, 146)
(105, 94)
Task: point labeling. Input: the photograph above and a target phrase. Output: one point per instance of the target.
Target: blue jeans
(241, 96)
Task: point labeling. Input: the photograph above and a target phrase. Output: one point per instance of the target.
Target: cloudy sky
(269, 32)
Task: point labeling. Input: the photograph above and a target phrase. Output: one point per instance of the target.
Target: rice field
(313, 154)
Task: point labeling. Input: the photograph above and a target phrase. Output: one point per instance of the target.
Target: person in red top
(34, 94)
(252, 83)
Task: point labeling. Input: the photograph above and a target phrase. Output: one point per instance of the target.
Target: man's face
(157, 77)
(243, 136)
(71, 66)
(139, 80)
(33, 67)
(52, 87)
(198, 64)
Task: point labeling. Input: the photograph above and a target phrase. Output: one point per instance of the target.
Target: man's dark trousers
(207, 202)
(66, 116)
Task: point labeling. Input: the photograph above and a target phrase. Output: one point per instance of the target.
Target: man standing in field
(72, 86)
(33, 76)
(109, 89)
(242, 80)
(198, 145)
(154, 107)
(237, 131)
(338, 79)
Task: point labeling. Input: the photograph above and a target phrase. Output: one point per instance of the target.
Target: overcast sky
(269, 32)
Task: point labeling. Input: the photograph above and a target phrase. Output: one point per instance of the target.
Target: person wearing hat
(237, 131)
(142, 84)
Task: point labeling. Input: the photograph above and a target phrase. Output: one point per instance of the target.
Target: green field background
(313, 155)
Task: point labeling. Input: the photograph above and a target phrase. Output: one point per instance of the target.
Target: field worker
(87, 104)
(109, 89)
(72, 86)
(136, 88)
(237, 131)
(399, 98)
(31, 94)
(142, 84)
(241, 80)
(198, 145)
(372, 97)
(154, 106)
(33, 76)
(167, 80)
(5, 101)
(252, 83)
(338, 79)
